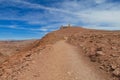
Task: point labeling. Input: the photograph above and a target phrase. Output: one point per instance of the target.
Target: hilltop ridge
(99, 47)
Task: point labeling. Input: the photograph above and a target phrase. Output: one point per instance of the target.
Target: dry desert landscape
(71, 53)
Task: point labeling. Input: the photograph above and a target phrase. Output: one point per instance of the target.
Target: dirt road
(60, 62)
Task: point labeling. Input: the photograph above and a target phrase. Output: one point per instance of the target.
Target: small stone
(113, 66)
(116, 72)
(93, 58)
(100, 53)
(65, 38)
(76, 78)
(101, 67)
(28, 59)
(3, 77)
(84, 48)
(8, 71)
(36, 75)
(69, 73)
(114, 48)
(28, 55)
(114, 55)
(81, 45)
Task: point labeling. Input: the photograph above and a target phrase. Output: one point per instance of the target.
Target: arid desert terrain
(70, 53)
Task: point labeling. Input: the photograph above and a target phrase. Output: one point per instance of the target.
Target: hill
(96, 49)
(9, 48)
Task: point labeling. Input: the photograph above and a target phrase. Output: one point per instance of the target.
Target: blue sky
(32, 19)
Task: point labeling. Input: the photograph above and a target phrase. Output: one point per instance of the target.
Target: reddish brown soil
(95, 57)
(9, 48)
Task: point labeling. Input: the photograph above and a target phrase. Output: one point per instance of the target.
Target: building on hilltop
(63, 27)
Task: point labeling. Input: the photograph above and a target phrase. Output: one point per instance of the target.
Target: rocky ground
(100, 48)
(9, 48)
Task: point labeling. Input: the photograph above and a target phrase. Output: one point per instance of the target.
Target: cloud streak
(83, 13)
(26, 4)
(23, 28)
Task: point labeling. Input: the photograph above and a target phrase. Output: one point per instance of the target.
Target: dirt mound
(61, 34)
(101, 47)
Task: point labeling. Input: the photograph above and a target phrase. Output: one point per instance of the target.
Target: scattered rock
(28, 55)
(8, 71)
(1, 72)
(116, 72)
(114, 48)
(65, 38)
(106, 46)
(69, 73)
(114, 55)
(113, 66)
(93, 58)
(100, 53)
(101, 67)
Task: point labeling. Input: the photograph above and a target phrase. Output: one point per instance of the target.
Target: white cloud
(102, 27)
(9, 26)
(104, 13)
(12, 26)
(84, 12)
(104, 16)
(26, 4)
(100, 1)
(39, 29)
(18, 27)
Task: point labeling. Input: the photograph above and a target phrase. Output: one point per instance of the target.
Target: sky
(32, 19)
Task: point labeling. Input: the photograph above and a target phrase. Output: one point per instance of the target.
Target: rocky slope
(9, 48)
(102, 48)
